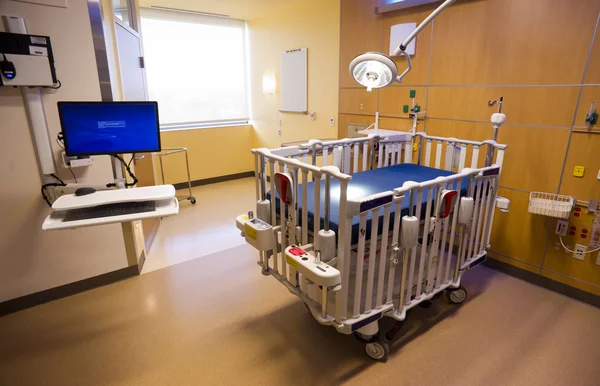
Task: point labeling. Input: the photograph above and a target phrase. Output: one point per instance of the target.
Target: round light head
(373, 70)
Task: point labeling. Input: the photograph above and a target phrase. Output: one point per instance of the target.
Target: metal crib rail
(429, 265)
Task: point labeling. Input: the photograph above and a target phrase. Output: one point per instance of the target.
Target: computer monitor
(94, 128)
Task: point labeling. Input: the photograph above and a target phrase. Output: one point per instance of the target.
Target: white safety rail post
(316, 221)
(464, 232)
(261, 254)
(463, 157)
(450, 245)
(355, 158)
(438, 155)
(383, 254)
(475, 157)
(427, 220)
(365, 157)
(449, 161)
(370, 207)
(344, 239)
(408, 151)
(346, 158)
(274, 214)
(427, 152)
(413, 257)
(284, 228)
(398, 197)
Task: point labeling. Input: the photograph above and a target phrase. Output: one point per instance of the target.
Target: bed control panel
(258, 233)
(319, 273)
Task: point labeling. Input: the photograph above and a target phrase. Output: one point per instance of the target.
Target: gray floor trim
(545, 282)
(214, 180)
(37, 298)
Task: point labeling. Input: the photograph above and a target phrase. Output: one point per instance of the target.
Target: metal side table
(174, 150)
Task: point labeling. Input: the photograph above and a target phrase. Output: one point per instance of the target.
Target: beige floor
(214, 319)
(204, 228)
(217, 320)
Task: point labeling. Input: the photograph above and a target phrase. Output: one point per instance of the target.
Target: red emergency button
(297, 251)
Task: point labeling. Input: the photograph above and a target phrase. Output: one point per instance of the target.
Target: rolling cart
(174, 150)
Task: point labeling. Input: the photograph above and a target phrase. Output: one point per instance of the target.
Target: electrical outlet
(562, 227)
(312, 116)
(331, 121)
(579, 252)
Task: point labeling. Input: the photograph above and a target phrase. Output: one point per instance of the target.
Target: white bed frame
(459, 242)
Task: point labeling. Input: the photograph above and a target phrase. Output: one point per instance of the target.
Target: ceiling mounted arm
(376, 70)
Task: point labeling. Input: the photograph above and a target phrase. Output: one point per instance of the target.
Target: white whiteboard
(294, 81)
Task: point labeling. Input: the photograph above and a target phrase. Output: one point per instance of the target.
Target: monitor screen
(93, 128)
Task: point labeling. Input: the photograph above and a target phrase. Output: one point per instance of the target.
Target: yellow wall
(212, 152)
(534, 53)
(311, 24)
(32, 260)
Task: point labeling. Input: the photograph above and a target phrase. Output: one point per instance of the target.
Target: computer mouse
(84, 191)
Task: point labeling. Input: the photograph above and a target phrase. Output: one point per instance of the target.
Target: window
(195, 67)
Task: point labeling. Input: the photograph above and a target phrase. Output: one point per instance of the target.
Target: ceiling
(239, 9)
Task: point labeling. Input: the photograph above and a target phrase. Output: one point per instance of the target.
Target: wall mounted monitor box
(97, 128)
(32, 57)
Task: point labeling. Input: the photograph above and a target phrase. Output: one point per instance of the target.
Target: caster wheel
(193, 200)
(378, 350)
(457, 296)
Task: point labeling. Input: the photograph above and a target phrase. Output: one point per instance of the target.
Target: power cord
(45, 186)
(61, 143)
(127, 167)
(568, 250)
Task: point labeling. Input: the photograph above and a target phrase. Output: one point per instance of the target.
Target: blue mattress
(364, 184)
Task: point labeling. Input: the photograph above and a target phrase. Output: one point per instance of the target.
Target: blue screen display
(109, 128)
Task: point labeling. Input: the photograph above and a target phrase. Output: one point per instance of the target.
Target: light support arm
(376, 70)
(423, 24)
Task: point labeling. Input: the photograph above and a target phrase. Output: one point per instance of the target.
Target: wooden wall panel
(534, 54)
(475, 131)
(392, 99)
(563, 262)
(513, 42)
(401, 124)
(593, 71)
(420, 61)
(584, 150)
(518, 233)
(345, 119)
(534, 158)
(589, 94)
(358, 101)
(360, 32)
(543, 106)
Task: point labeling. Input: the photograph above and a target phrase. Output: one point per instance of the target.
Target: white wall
(32, 260)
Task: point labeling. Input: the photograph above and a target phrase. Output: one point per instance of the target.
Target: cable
(133, 177)
(568, 250)
(73, 174)
(131, 160)
(43, 189)
(59, 141)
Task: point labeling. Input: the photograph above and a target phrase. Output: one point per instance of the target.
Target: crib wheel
(457, 296)
(378, 350)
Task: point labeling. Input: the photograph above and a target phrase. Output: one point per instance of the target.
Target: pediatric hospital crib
(363, 228)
